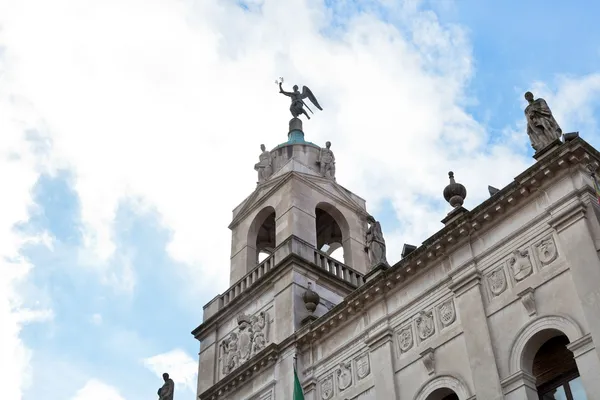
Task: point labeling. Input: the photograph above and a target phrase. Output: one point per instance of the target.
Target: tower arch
(332, 232)
(261, 236)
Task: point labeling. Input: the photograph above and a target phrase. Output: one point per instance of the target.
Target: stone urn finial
(454, 193)
(311, 299)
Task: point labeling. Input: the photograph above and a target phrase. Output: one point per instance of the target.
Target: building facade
(502, 303)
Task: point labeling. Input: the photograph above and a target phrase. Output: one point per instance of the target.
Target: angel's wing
(306, 93)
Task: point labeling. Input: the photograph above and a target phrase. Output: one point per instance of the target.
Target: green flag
(298, 395)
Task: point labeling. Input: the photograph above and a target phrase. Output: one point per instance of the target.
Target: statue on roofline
(375, 244)
(168, 389)
(542, 128)
(298, 104)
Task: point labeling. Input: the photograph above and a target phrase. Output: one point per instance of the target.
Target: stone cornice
(241, 374)
(252, 202)
(454, 234)
(282, 266)
(567, 217)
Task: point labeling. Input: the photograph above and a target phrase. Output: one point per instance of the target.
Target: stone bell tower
(283, 235)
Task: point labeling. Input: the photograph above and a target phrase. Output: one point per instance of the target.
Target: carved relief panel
(327, 388)
(520, 264)
(496, 282)
(241, 345)
(405, 339)
(344, 375)
(447, 313)
(546, 251)
(363, 368)
(425, 325)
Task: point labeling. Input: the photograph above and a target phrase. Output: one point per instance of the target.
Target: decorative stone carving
(327, 388)
(311, 299)
(344, 374)
(326, 162)
(520, 264)
(297, 106)
(447, 313)
(528, 300)
(245, 336)
(264, 167)
(230, 354)
(363, 368)
(428, 359)
(497, 281)
(547, 251)
(375, 244)
(240, 346)
(425, 324)
(167, 390)
(259, 332)
(405, 339)
(542, 128)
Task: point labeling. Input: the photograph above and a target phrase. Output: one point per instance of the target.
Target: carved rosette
(363, 368)
(447, 313)
(497, 281)
(425, 324)
(546, 251)
(249, 339)
(520, 264)
(327, 388)
(405, 339)
(344, 376)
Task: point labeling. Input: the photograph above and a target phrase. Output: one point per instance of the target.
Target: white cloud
(182, 368)
(96, 319)
(97, 390)
(171, 107)
(18, 302)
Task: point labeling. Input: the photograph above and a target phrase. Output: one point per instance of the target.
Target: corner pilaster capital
(581, 346)
(375, 340)
(462, 283)
(567, 217)
(516, 381)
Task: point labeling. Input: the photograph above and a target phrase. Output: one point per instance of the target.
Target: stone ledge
(240, 375)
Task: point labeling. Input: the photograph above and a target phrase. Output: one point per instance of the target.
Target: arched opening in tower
(329, 235)
(265, 239)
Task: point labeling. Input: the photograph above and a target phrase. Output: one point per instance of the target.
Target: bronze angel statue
(297, 106)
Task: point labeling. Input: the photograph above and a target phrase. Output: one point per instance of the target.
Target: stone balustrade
(292, 245)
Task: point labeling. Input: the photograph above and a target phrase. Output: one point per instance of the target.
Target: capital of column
(380, 338)
(567, 217)
(462, 283)
(581, 346)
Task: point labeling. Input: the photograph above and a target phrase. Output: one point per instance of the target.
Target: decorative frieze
(521, 264)
(249, 339)
(343, 376)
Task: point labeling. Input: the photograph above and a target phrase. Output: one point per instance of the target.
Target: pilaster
(577, 244)
(382, 357)
(588, 365)
(482, 361)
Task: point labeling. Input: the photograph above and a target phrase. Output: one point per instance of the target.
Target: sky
(129, 130)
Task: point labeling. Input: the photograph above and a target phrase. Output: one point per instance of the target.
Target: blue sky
(128, 131)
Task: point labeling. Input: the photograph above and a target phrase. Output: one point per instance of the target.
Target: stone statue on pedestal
(264, 167)
(326, 162)
(542, 128)
(298, 104)
(167, 390)
(375, 244)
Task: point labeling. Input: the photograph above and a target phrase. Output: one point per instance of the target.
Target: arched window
(265, 239)
(329, 234)
(443, 394)
(555, 370)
